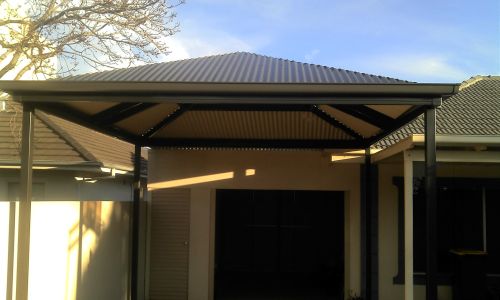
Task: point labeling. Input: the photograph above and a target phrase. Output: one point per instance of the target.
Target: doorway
(283, 245)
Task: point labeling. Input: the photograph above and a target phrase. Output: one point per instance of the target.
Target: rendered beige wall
(388, 223)
(292, 170)
(200, 245)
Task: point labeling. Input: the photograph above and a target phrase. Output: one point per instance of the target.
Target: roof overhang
(358, 115)
(265, 93)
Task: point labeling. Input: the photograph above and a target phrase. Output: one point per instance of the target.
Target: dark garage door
(279, 245)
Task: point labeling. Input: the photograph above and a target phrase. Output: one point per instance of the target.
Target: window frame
(441, 278)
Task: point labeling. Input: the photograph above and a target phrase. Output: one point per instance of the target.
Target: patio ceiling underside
(238, 125)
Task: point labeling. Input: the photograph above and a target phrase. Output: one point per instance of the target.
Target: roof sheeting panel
(141, 122)
(238, 67)
(393, 111)
(365, 129)
(252, 125)
(90, 108)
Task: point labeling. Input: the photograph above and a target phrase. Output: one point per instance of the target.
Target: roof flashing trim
(182, 88)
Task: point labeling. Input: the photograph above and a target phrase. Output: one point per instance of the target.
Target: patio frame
(134, 97)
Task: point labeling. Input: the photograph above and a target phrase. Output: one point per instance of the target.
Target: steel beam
(25, 193)
(398, 123)
(253, 143)
(120, 112)
(232, 98)
(431, 203)
(334, 122)
(70, 114)
(134, 273)
(167, 120)
(366, 114)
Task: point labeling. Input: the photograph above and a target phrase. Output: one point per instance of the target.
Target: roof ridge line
(321, 66)
(68, 138)
(475, 79)
(244, 53)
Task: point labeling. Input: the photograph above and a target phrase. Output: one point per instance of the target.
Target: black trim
(253, 143)
(369, 230)
(238, 97)
(73, 115)
(431, 203)
(367, 114)
(167, 120)
(102, 122)
(334, 122)
(134, 272)
(402, 120)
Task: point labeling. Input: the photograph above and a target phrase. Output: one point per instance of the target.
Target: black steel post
(25, 191)
(431, 203)
(366, 259)
(134, 277)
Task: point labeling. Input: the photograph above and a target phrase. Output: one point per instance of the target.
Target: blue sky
(424, 41)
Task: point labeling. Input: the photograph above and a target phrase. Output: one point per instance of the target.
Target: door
(279, 245)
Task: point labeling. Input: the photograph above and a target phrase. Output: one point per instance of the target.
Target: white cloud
(309, 57)
(196, 41)
(419, 67)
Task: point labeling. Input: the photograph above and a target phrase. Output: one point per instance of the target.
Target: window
(468, 211)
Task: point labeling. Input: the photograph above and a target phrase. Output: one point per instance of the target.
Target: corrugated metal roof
(475, 110)
(238, 67)
(252, 125)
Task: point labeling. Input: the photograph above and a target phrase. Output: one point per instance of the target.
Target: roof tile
(475, 110)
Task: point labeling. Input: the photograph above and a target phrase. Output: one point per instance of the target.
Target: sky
(424, 41)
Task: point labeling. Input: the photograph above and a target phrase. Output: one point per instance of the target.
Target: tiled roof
(59, 141)
(48, 146)
(475, 110)
(238, 67)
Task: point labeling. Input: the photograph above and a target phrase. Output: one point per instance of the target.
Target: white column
(408, 202)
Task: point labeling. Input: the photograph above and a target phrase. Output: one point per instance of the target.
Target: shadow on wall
(104, 268)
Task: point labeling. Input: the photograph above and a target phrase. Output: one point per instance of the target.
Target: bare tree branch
(98, 33)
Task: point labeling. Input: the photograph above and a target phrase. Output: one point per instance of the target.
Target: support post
(431, 203)
(134, 277)
(25, 191)
(408, 224)
(367, 230)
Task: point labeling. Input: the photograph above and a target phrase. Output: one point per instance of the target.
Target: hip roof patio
(238, 100)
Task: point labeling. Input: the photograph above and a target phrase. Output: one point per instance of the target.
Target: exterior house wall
(205, 171)
(79, 245)
(388, 223)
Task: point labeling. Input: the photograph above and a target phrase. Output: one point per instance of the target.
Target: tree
(49, 37)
